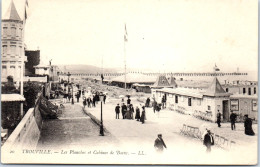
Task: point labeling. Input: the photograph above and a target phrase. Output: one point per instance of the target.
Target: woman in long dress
(143, 116)
(132, 111)
(137, 113)
(128, 113)
(248, 126)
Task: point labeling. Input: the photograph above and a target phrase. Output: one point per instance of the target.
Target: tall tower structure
(12, 55)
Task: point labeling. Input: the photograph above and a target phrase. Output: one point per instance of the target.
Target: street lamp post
(68, 76)
(72, 100)
(101, 133)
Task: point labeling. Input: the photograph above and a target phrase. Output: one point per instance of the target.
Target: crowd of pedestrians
(92, 98)
(128, 110)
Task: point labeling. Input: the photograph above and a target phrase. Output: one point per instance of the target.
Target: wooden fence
(194, 132)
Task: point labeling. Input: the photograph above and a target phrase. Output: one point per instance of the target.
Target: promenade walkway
(133, 142)
(72, 130)
(134, 135)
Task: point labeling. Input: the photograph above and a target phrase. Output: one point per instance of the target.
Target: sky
(163, 35)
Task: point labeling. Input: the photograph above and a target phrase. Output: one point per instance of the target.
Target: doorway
(225, 110)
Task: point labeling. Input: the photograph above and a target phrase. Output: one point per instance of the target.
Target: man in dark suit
(159, 144)
(233, 117)
(218, 119)
(117, 109)
(208, 141)
(128, 101)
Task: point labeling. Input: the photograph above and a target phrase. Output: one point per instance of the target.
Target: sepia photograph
(129, 82)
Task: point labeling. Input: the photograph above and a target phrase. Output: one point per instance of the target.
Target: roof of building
(215, 89)
(141, 85)
(11, 13)
(183, 91)
(161, 82)
(11, 97)
(42, 66)
(45, 66)
(134, 78)
(172, 82)
(193, 84)
(244, 96)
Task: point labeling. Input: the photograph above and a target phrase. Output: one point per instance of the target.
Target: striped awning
(11, 97)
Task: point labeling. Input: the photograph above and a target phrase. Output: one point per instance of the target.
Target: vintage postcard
(166, 82)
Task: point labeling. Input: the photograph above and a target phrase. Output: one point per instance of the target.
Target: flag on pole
(125, 36)
(25, 14)
(27, 4)
(25, 8)
(216, 68)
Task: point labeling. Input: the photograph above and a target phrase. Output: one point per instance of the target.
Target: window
(189, 101)
(4, 49)
(13, 49)
(12, 62)
(4, 31)
(254, 90)
(209, 108)
(254, 105)
(244, 90)
(13, 31)
(20, 32)
(176, 99)
(249, 91)
(21, 50)
(226, 89)
(4, 71)
(234, 104)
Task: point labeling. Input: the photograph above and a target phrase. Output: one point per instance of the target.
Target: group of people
(128, 110)
(92, 99)
(233, 116)
(67, 94)
(208, 139)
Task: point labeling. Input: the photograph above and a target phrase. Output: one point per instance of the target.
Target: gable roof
(215, 89)
(172, 82)
(161, 82)
(183, 91)
(11, 13)
(134, 78)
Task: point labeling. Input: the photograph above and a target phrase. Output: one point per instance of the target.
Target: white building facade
(12, 36)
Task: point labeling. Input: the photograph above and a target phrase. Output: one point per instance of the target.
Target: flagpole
(125, 63)
(125, 53)
(23, 55)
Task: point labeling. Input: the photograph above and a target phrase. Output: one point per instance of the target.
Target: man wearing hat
(117, 109)
(233, 117)
(159, 144)
(208, 141)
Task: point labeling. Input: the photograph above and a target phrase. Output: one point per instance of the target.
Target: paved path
(72, 129)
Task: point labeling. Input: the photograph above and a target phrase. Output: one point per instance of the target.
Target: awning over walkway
(11, 97)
